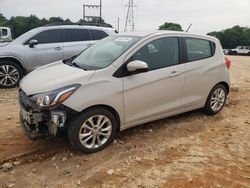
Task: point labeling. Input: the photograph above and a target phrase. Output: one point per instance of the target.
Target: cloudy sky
(205, 15)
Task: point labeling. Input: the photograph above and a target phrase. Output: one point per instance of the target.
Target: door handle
(88, 45)
(58, 48)
(175, 73)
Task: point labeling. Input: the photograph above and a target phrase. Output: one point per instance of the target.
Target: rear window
(198, 49)
(97, 34)
(76, 35)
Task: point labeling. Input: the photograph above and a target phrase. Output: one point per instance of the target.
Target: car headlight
(55, 97)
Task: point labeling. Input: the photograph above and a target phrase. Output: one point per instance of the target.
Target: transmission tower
(130, 21)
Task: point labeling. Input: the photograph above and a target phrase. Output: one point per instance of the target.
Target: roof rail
(59, 23)
(97, 24)
(83, 24)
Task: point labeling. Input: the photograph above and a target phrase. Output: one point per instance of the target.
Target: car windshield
(105, 52)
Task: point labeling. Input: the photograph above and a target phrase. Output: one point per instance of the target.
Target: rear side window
(198, 49)
(97, 34)
(49, 36)
(76, 35)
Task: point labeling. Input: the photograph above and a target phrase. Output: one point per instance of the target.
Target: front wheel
(92, 130)
(216, 100)
(10, 74)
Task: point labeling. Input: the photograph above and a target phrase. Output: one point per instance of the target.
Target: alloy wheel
(95, 131)
(218, 99)
(9, 75)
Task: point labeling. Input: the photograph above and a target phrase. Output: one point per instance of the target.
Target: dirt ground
(189, 150)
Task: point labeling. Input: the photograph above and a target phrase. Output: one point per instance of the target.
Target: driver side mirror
(137, 66)
(33, 43)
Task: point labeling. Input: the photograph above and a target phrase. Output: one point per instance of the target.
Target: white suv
(45, 45)
(123, 81)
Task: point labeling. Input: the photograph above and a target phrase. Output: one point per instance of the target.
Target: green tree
(55, 19)
(3, 20)
(95, 21)
(232, 37)
(19, 25)
(171, 26)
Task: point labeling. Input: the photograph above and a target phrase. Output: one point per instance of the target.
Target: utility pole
(130, 20)
(100, 10)
(118, 25)
(91, 17)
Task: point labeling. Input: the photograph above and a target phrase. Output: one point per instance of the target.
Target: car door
(245, 50)
(202, 70)
(75, 41)
(48, 50)
(241, 50)
(160, 90)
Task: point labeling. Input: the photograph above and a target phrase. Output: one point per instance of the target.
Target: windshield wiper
(77, 65)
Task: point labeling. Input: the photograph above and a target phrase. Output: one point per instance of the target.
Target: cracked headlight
(55, 97)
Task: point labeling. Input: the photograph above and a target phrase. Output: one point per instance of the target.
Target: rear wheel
(234, 53)
(10, 74)
(216, 100)
(92, 130)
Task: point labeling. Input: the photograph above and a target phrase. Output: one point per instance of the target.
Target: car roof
(162, 32)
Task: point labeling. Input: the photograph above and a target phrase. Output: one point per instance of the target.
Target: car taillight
(228, 62)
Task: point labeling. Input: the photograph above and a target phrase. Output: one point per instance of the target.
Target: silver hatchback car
(123, 81)
(45, 45)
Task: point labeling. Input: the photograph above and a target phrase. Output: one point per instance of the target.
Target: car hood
(53, 76)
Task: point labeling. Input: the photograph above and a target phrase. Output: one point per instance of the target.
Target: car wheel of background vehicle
(10, 74)
(216, 100)
(92, 130)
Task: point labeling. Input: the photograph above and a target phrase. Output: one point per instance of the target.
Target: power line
(130, 20)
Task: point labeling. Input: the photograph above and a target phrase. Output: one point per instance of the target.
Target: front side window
(97, 34)
(160, 53)
(198, 49)
(4, 32)
(49, 36)
(104, 52)
(76, 35)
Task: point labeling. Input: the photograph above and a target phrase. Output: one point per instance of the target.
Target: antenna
(130, 21)
(189, 27)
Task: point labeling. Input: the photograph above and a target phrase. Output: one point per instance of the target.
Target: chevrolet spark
(123, 81)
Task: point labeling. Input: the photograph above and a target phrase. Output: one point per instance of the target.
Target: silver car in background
(45, 45)
(123, 81)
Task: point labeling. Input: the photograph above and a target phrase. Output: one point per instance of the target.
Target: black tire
(76, 126)
(235, 53)
(16, 77)
(208, 107)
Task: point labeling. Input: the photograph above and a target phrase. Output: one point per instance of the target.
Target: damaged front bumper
(42, 123)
